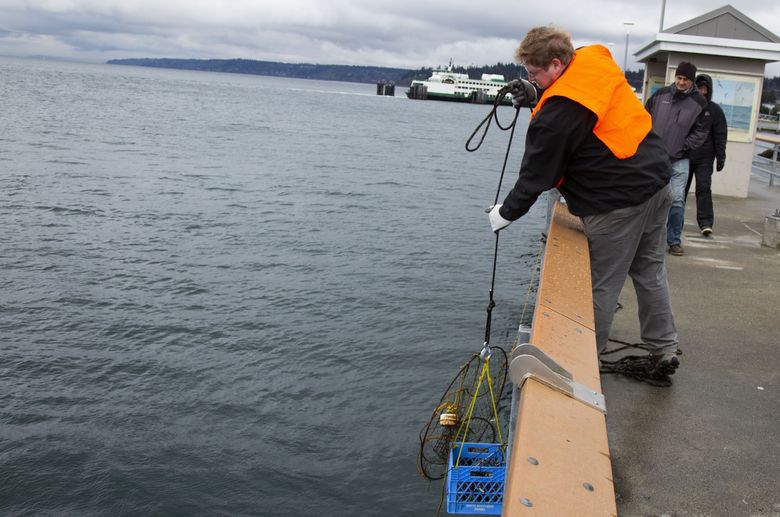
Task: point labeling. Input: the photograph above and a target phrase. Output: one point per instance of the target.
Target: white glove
(523, 94)
(496, 221)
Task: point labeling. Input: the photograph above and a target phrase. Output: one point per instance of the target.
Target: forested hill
(356, 74)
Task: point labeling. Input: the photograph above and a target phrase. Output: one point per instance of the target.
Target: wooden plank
(766, 137)
(565, 285)
(560, 462)
(571, 345)
(559, 453)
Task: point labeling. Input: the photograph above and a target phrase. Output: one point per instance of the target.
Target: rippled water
(228, 294)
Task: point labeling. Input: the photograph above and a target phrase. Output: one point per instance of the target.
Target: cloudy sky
(400, 33)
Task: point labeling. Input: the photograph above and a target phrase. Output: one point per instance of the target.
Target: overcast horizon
(399, 34)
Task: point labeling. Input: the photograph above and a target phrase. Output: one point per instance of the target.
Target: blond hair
(543, 44)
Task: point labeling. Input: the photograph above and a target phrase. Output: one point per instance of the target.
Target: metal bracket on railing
(530, 362)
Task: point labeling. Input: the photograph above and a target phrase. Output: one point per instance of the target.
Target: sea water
(237, 295)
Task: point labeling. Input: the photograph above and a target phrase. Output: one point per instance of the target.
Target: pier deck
(710, 444)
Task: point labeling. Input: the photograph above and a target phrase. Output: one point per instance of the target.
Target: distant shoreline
(348, 73)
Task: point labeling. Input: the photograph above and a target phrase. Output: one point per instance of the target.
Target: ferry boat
(447, 85)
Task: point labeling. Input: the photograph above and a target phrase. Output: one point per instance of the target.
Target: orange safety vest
(594, 80)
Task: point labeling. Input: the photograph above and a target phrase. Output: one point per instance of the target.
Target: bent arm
(720, 134)
(699, 132)
(554, 134)
(650, 104)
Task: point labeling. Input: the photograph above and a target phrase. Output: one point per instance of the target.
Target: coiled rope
(641, 368)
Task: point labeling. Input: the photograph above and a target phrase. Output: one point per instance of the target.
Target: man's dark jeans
(704, 212)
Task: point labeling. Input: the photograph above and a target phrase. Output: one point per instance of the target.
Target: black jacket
(560, 144)
(714, 147)
(679, 119)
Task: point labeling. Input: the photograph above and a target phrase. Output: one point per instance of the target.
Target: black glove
(523, 94)
(719, 164)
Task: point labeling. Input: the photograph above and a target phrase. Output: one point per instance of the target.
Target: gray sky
(400, 33)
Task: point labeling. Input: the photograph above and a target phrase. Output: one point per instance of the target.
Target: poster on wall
(654, 83)
(737, 96)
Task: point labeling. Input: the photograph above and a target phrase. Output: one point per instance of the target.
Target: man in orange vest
(590, 137)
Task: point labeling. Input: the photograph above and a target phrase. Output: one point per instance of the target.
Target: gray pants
(632, 241)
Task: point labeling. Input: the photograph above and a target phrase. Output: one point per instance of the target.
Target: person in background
(590, 137)
(713, 149)
(683, 124)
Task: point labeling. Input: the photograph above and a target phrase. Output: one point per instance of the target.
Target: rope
(493, 404)
(637, 367)
(491, 303)
(437, 436)
(454, 407)
(467, 422)
(493, 115)
(531, 284)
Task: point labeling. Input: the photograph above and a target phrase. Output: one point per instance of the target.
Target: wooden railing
(559, 462)
(768, 166)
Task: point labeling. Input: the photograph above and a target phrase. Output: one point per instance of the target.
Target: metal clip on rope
(486, 352)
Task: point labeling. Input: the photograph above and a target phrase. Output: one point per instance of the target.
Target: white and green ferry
(447, 85)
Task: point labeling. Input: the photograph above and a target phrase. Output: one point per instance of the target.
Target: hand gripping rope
(493, 114)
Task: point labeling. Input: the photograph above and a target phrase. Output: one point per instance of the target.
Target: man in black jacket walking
(683, 125)
(713, 149)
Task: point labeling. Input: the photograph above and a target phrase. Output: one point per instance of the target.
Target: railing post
(523, 337)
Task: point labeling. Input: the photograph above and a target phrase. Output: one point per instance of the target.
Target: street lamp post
(628, 26)
(663, 11)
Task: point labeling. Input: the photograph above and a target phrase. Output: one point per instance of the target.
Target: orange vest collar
(594, 80)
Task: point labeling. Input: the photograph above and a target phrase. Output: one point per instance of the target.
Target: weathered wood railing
(559, 459)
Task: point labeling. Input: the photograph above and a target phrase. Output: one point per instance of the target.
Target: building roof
(722, 32)
(725, 22)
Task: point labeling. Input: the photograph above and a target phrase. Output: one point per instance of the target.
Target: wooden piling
(385, 88)
(418, 91)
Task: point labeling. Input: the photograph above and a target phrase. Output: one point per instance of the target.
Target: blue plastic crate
(476, 485)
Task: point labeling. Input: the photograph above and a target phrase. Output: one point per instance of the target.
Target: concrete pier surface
(709, 445)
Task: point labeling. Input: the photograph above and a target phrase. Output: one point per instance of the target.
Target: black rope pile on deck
(638, 367)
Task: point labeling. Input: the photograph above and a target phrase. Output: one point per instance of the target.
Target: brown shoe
(676, 250)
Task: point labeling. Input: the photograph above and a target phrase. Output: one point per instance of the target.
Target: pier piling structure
(385, 88)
